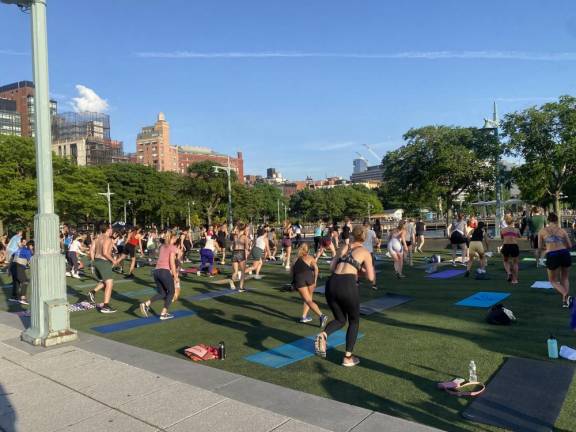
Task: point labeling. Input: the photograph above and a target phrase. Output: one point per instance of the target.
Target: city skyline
(299, 89)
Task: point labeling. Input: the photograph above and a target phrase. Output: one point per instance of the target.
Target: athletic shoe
(166, 316)
(323, 321)
(568, 302)
(401, 275)
(257, 277)
(130, 276)
(320, 346)
(232, 286)
(76, 276)
(107, 309)
(287, 268)
(144, 308)
(68, 274)
(92, 295)
(305, 319)
(241, 290)
(350, 361)
(375, 287)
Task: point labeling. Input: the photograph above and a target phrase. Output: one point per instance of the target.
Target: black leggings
(19, 280)
(344, 301)
(165, 285)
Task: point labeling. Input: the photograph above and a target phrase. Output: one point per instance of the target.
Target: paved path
(96, 384)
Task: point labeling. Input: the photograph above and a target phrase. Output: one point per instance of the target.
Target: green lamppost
(50, 319)
(494, 124)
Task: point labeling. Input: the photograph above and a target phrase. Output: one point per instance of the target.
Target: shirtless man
(101, 256)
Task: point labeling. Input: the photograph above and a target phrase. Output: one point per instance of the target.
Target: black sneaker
(130, 276)
(107, 309)
(92, 295)
(323, 321)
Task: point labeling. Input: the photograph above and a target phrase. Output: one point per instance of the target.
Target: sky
(298, 85)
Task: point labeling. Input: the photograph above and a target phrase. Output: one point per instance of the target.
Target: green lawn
(403, 353)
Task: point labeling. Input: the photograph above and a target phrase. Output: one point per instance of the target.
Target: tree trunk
(557, 207)
(1, 227)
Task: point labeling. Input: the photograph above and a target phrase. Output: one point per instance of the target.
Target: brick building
(22, 93)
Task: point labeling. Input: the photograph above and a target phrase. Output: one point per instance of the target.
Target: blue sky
(299, 85)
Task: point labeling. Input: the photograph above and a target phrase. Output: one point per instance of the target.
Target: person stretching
(165, 277)
(510, 251)
(304, 279)
(342, 294)
(555, 242)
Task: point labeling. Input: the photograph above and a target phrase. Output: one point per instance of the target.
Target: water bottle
(552, 347)
(472, 376)
(221, 351)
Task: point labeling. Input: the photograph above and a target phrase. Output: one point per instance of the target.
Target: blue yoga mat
(483, 299)
(293, 352)
(139, 322)
(445, 274)
(211, 295)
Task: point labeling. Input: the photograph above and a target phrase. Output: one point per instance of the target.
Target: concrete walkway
(96, 384)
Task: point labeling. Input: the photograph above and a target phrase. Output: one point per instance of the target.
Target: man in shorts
(101, 256)
(536, 222)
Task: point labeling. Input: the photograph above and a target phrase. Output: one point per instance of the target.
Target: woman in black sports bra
(342, 295)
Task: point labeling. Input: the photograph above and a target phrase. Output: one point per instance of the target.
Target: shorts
(257, 253)
(239, 255)
(130, 250)
(510, 251)
(419, 233)
(457, 238)
(221, 243)
(286, 242)
(476, 247)
(303, 280)
(103, 270)
(558, 258)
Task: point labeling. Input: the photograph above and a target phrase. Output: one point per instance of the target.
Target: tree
(545, 137)
(208, 188)
(436, 162)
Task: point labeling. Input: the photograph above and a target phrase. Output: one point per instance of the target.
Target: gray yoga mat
(383, 303)
(525, 395)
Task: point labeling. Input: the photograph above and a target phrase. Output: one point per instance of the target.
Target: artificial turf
(405, 351)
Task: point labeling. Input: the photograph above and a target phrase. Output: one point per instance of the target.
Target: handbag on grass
(202, 352)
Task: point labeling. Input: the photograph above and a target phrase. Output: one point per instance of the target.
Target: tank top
(477, 235)
(420, 227)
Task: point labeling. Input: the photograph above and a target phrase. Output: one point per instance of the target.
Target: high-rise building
(85, 138)
(360, 165)
(22, 93)
(370, 174)
(153, 146)
(10, 123)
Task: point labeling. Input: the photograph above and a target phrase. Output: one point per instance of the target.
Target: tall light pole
(494, 124)
(125, 215)
(228, 169)
(278, 220)
(369, 207)
(108, 195)
(50, 319)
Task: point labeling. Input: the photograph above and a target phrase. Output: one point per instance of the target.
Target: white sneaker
(75, 276)
(68, 274)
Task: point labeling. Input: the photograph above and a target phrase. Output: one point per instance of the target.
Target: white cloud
(423, 55)
(12, 52)
(88, 100)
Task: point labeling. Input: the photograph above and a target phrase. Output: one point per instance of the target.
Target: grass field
(403, 353)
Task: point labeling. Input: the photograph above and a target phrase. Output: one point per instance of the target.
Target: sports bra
(553, 238)
(510, 234)
(349, 259)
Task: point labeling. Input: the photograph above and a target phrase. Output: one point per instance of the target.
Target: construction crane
(361, 157)
(378, 158)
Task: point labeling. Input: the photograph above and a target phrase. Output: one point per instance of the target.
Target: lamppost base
(54, 338)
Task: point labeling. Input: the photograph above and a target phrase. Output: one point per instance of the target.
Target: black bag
(499, 315)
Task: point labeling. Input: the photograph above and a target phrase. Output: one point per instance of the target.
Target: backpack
(499, 315)
(202, 352)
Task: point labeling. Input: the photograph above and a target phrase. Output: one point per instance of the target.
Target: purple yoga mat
(445, 274)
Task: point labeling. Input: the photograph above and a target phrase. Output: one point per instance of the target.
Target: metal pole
(498, 185)
(189, 217)
(278, 220)
(125, 213)
(369, 205)
(50, 319)
(108, 194)
(230, 221)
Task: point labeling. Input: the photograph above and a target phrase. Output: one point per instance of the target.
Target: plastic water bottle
(472, 375)
(552, 347)
(221, 351)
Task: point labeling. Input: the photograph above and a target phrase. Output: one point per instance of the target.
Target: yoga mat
(542, 285)
(483, 299)
(293, 352)
(528, 259)
(321, 289)
(525, 395)
(383, 303)
(446, 274)
(139, 322)
(211, 295)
